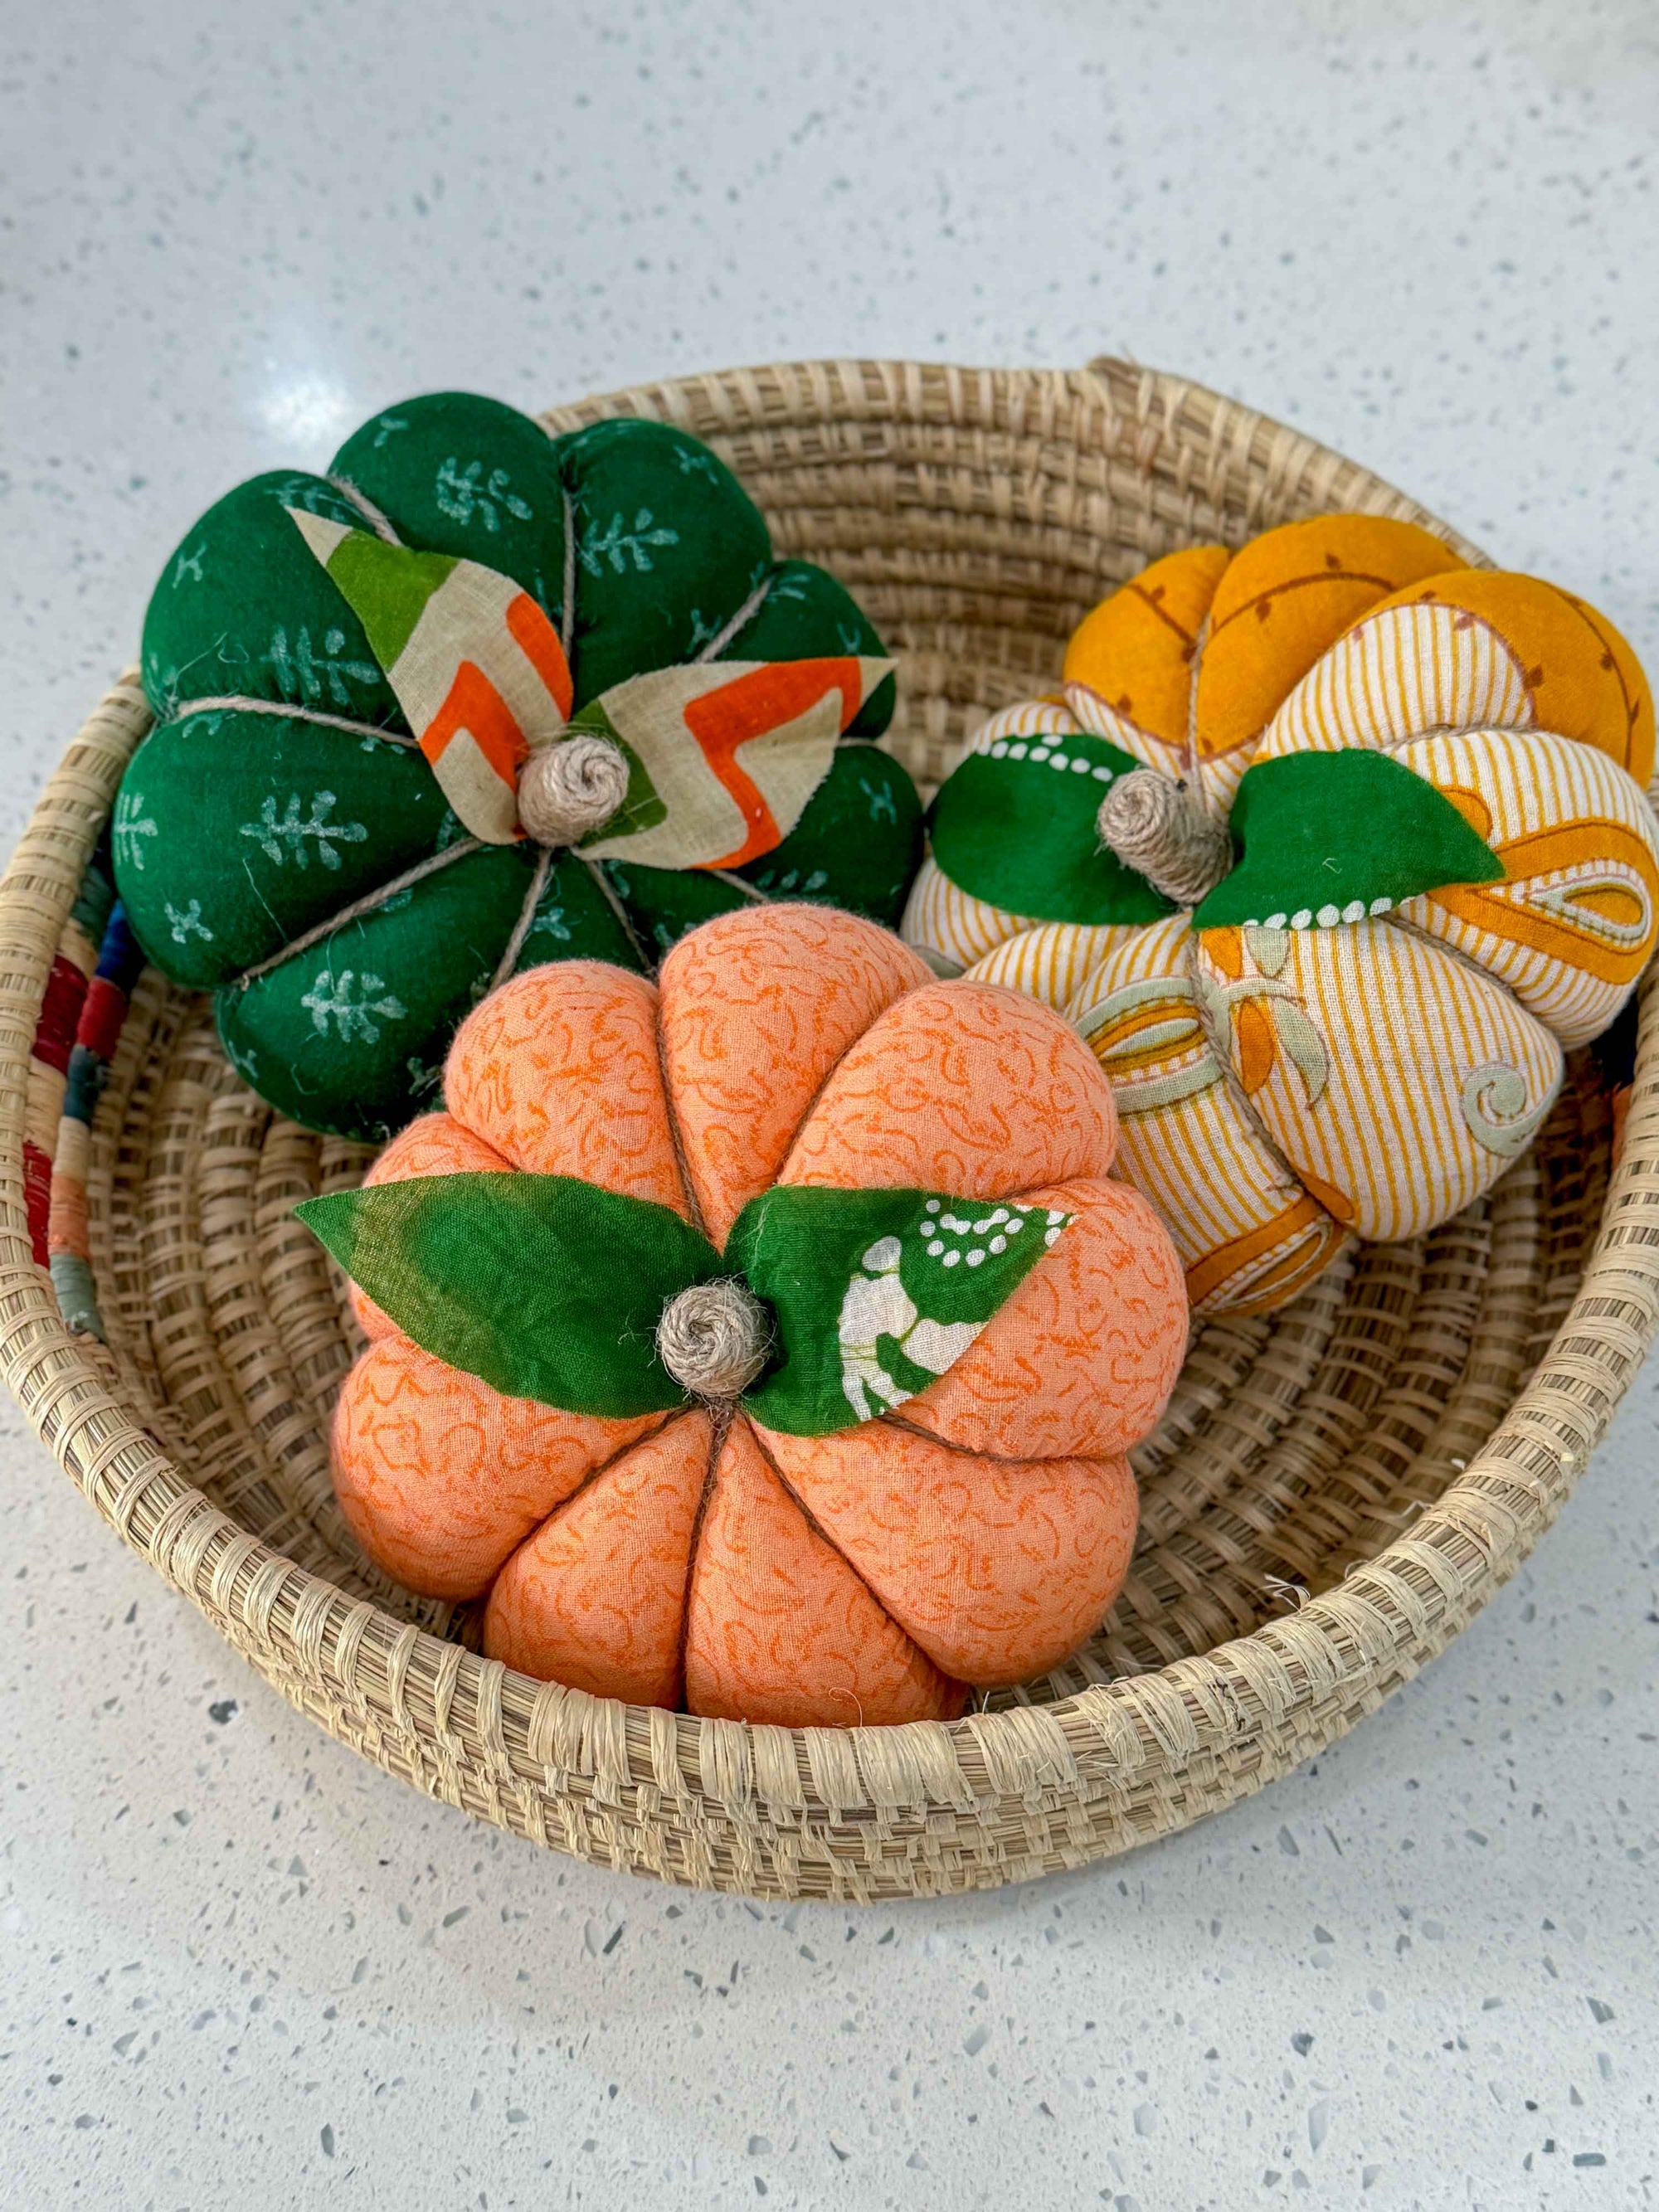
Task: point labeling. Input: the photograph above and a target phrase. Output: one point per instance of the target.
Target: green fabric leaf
(1015, 826)
(551, 1288)
(544, 1287)
(1331, 837)
(874, 1293)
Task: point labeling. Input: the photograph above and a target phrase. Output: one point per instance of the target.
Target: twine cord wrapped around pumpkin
(701, 1332)
(354, 674)
(714, 1339)
(1161, 830)
(1371, 857)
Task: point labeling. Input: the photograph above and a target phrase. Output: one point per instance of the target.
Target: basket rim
(1393, 1612)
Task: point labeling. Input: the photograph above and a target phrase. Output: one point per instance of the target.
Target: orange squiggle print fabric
(876, 1575)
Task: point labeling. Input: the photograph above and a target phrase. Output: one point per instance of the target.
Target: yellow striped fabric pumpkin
(1445, 874)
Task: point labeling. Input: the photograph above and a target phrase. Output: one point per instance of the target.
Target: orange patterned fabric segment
(975, 1537)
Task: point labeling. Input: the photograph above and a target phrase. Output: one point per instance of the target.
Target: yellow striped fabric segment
(1050, 960)
(1398, 1082)
(1573, 925)
(1248, 1235)
(1397, 673)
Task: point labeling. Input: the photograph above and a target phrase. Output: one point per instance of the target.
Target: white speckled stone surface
(239, 1968)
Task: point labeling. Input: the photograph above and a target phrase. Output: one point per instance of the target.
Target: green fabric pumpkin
(280, 786)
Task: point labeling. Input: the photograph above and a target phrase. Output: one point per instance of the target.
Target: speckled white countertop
(239, 1968)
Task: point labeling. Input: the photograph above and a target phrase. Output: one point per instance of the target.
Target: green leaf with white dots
(1015, 826)
(1333, 837)
(875, 1293)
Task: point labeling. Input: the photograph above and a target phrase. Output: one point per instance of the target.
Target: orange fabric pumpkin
(974, 1537)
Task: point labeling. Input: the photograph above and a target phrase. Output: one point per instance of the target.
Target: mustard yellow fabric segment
(1135, 650)
(1252, 623)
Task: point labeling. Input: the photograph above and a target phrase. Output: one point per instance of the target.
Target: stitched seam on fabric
(725, 876)
(1194, 770)
(896, 1419)
(677, 1139)
(646, 1435)
(358, 907)
(233, 703)
(596, 869)
(567, 604)
(719, 1427)
(1404, 923)
(380, 523)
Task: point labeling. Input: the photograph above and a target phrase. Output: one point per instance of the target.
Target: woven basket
(1333, 1494)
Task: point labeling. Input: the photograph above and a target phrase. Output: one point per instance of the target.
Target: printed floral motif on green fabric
(294, 790)
(551, 1288)
(877, 1293)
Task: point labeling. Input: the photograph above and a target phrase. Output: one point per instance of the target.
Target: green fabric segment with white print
(551, 1288)
(242, 610)
(452, 472)
(876, 1293)
(350, 1035)
(287, 822)
(243, 827)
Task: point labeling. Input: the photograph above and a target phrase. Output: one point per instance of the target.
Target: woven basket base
(1332, 1493)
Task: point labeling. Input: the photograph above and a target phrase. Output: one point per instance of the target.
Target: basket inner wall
(978, 527)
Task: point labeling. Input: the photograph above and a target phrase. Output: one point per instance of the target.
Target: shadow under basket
(1333, 1494)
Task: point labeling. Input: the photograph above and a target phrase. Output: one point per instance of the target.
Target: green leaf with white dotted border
(875, 1293)
(1333, 837)
(1015, 826)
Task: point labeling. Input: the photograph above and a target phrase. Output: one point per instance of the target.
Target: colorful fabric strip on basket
(82, 1013)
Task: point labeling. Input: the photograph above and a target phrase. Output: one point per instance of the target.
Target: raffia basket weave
(1333, 1494)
